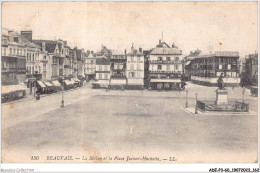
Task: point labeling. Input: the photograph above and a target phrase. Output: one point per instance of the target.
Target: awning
(12, 88)
(56, 83)
(166, 80)
(135, 81)
(41, 84)
(75, 79)
(188, 63)
(118, 82)
(67, 82)
(48, 84)
(102, 82)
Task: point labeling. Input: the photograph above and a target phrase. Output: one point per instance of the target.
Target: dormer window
(168, 58)
(159, 58)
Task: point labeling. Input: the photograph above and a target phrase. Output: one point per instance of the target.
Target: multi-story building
(55, 57)
(80, 62)
(67, 60)
(90, 65)
(13, 58)
(34, 64)
(102, 72)
(104, 52)
(165, 67)
(135, 68)
(73, 56)
(118, 68)
(187, 63)
(251, 68)
(206, 69)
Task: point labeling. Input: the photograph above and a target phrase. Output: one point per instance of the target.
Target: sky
(225, 26)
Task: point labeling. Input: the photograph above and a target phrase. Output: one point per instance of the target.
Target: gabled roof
(163, 44)
(50, 45)
(90, 55)
(165, 51)
(21, 40)
(135, 52)
(102, 60)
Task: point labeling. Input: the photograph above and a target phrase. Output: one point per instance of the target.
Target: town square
(115, 83)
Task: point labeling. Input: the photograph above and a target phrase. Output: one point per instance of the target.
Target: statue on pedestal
(221, 82)
(221, 92)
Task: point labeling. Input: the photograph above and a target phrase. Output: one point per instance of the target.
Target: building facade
(102, 71)
(251, 69)
(118, 69)
(135, 68)
(13, 58)
(90, 65)
(206, 69)
(165, 67)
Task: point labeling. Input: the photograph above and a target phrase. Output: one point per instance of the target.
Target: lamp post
(243, 91)
(196, 110)
(62, 94)
(187, 99)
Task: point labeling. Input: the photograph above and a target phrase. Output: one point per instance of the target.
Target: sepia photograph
(129, 82)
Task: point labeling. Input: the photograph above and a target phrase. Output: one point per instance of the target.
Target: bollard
(187, 99)
(196, 110)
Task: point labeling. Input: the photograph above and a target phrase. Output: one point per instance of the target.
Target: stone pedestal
(221, 97)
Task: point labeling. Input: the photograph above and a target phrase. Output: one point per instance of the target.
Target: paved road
(124, 123)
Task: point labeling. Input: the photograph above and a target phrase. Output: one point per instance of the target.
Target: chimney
(140, 50)
(27, 35)
(125, 51)
(132, 48)
(160, 41)
(43, 46)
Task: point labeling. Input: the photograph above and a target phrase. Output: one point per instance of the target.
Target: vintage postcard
(129, 82)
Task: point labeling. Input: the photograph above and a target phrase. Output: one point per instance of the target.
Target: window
(44, 57)
(17, 51)
(220, 66)
(100, 75)
(14, 51)
(106, 76)
(132, 58)
(229, 67)
(106, 68)
(176, 58)
(138, 58)
(100, 67)
(176, 66)
(138, 74)
(168, 58)
(159, 58)
(132, 67)
(44, 67)
(92, 62)
(131, 74)
(33, 57)
(159, 67)
(138, 67)
(4, 51)
(10, 51)
(168, 67)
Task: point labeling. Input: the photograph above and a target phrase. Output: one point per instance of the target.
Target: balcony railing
(165, 62)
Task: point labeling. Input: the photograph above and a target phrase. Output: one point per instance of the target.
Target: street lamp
(243, 91)
(62, 94)
(196, 110)
(187, 99)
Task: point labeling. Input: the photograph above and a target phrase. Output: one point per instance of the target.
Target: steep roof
(50, 45)
(21, 40)
(165, 51)
(134, 52)
(102, 61)
(118, 52)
